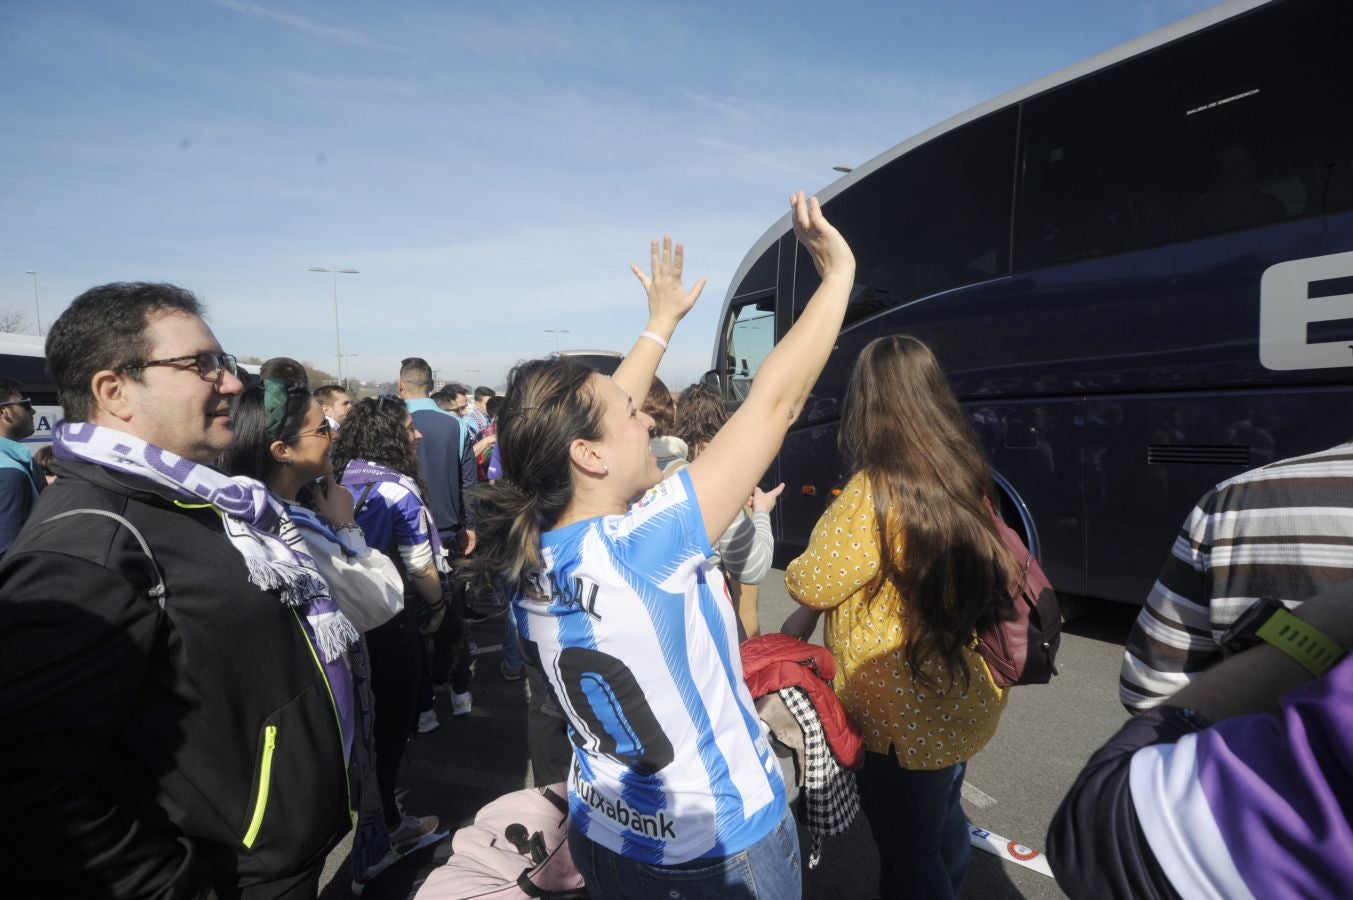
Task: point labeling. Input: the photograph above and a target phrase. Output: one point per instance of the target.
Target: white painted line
(1013, 851)
(486, 648)
(976, 796)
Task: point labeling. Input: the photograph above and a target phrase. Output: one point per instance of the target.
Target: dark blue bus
(1137, 272)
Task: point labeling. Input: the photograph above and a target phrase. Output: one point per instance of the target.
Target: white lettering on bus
(1286, 308)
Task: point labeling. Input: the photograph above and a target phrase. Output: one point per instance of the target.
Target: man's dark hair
(325, 393)
(10, 389)
(492, 406)
(415, 373)
(481, 392)
(445, 398)
(456, 389)
(284, 368)
(104, 328)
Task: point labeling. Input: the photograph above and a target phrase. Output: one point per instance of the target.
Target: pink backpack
(517, 847)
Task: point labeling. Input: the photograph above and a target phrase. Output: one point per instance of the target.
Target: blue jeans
(768, 868)
(919, 826)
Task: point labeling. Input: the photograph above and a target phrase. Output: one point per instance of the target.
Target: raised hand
(764, 501)
(668, 301)
(830, 252)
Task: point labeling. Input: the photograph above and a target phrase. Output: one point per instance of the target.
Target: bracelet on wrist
(349, 526)
(655, 338)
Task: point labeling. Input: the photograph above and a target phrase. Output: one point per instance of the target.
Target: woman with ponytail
(908, 565)
(283, 440)
(672, 786)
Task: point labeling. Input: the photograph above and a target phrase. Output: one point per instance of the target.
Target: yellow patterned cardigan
(865, 633)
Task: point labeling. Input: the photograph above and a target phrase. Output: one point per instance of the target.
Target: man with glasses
(170, 724)
(19, 481)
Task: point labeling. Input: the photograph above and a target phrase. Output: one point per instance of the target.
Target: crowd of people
(225, 619)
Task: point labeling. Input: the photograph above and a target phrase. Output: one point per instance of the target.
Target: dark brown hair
(700, 413)
(104, 328)
(903, 429)
(374, 431)
(659, 406)
(548, 404)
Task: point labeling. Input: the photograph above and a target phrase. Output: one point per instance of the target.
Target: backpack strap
(156, 593)
(361, 501)
(559, 802)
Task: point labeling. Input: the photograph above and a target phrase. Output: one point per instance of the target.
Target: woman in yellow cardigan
(907, 564)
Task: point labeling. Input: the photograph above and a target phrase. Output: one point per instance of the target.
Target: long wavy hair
(902, 428)
(374, 431)
(548, 404)
(252, 453)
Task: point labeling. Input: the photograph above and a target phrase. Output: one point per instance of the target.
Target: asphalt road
(1012, 789)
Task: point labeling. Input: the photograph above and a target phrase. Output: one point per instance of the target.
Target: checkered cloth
(830, 798)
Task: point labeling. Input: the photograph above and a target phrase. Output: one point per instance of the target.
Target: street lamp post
(338, 339)
(556, 332)
(36, 305)
(344, 381)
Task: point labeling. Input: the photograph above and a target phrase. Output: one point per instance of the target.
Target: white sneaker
(460, 704)
(411, 830)
(427, 720)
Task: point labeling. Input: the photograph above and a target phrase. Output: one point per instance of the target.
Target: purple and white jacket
(1253, 806)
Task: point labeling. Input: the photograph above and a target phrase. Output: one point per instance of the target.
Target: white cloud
(348, 36)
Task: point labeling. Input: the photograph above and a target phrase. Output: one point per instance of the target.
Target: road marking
(486, 648)
(1011, 851)
(976, 796)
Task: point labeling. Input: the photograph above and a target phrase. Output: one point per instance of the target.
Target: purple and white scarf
(256, 522)
(359, 471)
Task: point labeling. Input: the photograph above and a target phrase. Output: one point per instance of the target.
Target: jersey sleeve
(412, 526)
(663, 531)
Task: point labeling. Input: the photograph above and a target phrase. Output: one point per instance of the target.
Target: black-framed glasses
(25, 402)
(211, 366)
(324, 428)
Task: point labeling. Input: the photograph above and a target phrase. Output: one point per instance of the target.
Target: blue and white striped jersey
(639, 645)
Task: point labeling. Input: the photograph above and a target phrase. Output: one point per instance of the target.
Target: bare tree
(13, 320)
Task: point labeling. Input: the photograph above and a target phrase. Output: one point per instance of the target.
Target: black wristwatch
(1269, 622)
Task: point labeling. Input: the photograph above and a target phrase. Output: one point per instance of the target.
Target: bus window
(751, 334)
(1168, 148)
(935, 218)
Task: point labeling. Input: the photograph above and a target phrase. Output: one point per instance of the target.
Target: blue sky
(490, 168)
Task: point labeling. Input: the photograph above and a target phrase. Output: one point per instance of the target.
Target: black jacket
(140, 746)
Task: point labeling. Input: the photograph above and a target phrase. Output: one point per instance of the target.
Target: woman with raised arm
(908, 565)
(672, 785)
